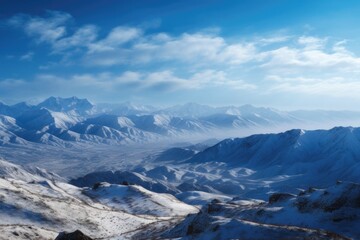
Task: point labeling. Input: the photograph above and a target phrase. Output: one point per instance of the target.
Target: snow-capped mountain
(40, 118)
(298, 184)
(68, 121)
(303, 158)
(271, 162)
(124, 109)
(15, 110)
(190, 110)
(293, 184)
(57, 104)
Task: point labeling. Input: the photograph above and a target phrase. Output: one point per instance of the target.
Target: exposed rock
(279, 197)
(77, 235)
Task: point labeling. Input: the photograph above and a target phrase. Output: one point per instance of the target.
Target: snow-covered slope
(39, 119)
(137, 200)
(13, 171)
(67, 121)
(297, 184)
(16, 109)
(259, 114)
(309, 157)
(253, 166)
(121, 177)
(7, 128)
(245, 219)
(33, 206)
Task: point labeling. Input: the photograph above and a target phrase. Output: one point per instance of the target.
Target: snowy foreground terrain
(132, 172)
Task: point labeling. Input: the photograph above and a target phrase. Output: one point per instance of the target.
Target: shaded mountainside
(315, 156)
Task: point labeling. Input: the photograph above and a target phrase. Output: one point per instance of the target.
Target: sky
(294, 54)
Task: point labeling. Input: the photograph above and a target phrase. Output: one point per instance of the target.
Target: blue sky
(285, 54)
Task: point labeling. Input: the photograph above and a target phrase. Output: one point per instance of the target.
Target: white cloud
(53, 29)
(219, 78)
(340, 47)
(161, 37)
(118, 36)
(310, 42)
(274, 39)
(311, 68)
(47, 29)
(305, 64)
(165, 80)
(27, 57)
(238, 53)
(196, 49)
(11, 83)
(330, 87)
(83, 37)
(310, 57)
(192, 46)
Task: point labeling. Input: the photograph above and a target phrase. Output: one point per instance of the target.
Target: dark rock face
(280, 197)
(214, 206)
(77, 235)
(339, 197)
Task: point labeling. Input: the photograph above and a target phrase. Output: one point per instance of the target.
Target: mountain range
(67, 121)
(299, 184)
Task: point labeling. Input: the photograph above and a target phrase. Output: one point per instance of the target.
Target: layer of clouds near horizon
(133, 58)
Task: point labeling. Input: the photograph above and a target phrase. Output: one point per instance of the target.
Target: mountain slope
(34, 205)
(304, 157)
(284, 216)
(67, 121)
(137, 200)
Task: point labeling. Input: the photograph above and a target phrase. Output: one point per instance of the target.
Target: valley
(179, 120)
(263, 184)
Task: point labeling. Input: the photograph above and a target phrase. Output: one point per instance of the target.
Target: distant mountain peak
(190, 109)
(59, 104)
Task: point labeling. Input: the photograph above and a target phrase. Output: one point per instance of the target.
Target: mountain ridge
(67, 121)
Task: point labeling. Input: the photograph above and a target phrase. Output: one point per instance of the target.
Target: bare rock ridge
(76, 235)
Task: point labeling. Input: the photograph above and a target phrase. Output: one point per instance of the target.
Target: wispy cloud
(46, 29)
(160, 80)
(311, 43)
(193, 60)
(83, 37)
(312, 56)
(130, 45)
(115, 39)
(334, 86)
(197, 48)
(27, 57)
(274, 39)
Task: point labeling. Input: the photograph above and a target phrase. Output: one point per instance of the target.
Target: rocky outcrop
(76, 235)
